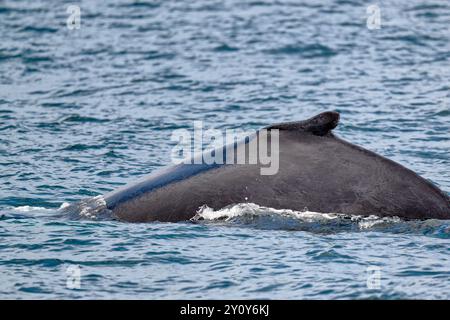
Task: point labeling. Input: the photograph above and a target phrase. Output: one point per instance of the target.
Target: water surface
(85, 111)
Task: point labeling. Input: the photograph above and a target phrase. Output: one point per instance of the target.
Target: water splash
(253, 215)
(91, 208)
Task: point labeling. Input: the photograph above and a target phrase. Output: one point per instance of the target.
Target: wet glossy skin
(317, 171)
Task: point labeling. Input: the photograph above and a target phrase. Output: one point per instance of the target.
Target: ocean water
(84, 111)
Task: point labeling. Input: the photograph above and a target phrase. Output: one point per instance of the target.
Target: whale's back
(316, 170)
(320, 173)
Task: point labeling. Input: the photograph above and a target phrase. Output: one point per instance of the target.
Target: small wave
(24, 212)
(36, 29)
(79, 118)
(225, 48)
(81, 147)
(255, 216)
(142, 4)
(315, 50)
(93, 208)
(30, 209)
(250, 214)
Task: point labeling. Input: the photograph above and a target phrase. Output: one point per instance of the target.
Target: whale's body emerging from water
(317, 171)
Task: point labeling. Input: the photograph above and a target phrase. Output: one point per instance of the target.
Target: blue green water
(84, 111)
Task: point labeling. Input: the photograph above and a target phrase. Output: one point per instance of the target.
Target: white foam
(371, 221)
(252, 209)
(242, 209)
(30, 209)
(64, 205)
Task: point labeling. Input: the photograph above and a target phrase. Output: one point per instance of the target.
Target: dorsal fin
(319, 125)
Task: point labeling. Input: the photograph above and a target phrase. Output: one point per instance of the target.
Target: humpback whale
(317, 170)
